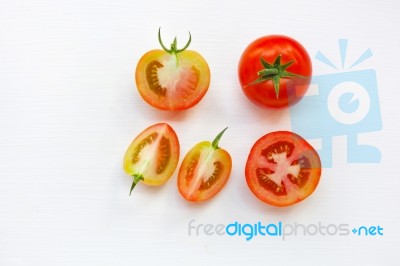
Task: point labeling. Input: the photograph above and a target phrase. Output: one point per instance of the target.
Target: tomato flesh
(282, 168)
(153, 154)
(292, 89)
(204, 172)
(172, 81)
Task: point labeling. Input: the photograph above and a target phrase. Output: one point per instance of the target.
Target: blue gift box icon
(344, 103)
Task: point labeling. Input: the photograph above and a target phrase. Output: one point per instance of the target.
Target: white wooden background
(69, 108)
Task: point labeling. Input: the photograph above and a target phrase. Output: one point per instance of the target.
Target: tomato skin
(257, 160)
(204, 172)
(291, 89)
(185, 76)
(153, 155)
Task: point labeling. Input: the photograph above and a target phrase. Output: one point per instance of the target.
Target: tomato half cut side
(204, 171)
(282, 168)
(172, 79)
(153, 155)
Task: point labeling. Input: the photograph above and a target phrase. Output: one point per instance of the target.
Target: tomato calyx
(136, 179)
(217, 139)
(174, 46)
(274, 72)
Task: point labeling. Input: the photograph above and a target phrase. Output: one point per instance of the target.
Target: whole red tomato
(275, 71)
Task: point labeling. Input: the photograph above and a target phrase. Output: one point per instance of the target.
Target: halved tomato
(204, 171)
(172, 79)
(153, 155)
(282, 168)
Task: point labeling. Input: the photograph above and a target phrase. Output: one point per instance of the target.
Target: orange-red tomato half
(153, 155)
(282, 168)
(172, 79)
(204, 171)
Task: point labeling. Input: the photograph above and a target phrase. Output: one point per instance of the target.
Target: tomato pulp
(282, 168)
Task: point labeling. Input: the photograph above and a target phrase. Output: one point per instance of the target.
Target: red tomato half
(153, 155)
(282, 168)
(275, 71)
(204, 171)
(172, 79)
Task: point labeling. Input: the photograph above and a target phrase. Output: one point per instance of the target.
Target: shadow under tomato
(153, 114)
(269, 116)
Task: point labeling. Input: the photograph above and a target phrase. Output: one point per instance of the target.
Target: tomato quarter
(204, 171)
(282, 168)
(275, 71)
(153, 155)
(172, 79)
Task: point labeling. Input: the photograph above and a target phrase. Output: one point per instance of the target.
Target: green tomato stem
(265, 72)
(136, 179)
(217, 138)
(174, 46)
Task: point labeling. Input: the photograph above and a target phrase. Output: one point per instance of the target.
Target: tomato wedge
(172, 79)
(204, 171)
(153, 155)
(282, 168)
